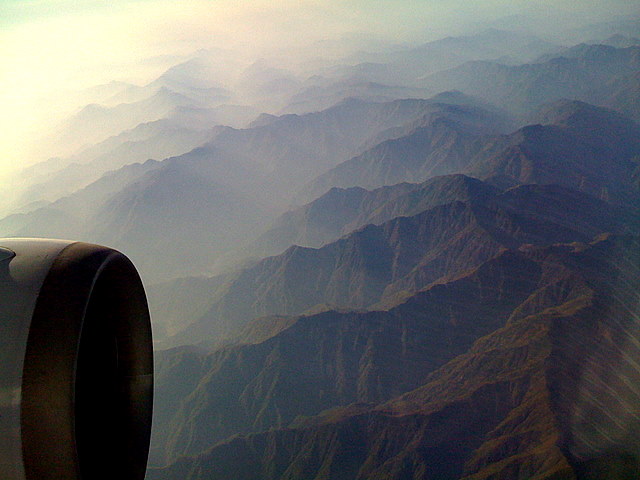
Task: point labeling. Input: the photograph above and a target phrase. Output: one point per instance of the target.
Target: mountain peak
(350, 101)
(454, 97)
(574, 113)
(592, 123)
(262, 120)
(621, 41)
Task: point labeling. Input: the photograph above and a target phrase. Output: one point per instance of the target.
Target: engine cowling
(76, 368)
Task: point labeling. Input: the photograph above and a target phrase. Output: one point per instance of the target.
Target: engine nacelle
(76, 363)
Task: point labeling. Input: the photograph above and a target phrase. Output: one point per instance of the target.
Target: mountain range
(411, 262)
(379, 265)
(508, 341)
(251, 175)
(584, 72)
(568, 148)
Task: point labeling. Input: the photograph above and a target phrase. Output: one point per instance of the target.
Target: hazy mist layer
(53, 50)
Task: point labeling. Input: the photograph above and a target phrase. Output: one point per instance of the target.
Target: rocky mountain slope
(341, 211)
(381, 264)
(440, 143)
(570, 148)
(508, 406)
(352, 280)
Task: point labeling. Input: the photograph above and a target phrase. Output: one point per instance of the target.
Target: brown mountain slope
(341, 211)
(546, 395)
(334, 359)
(382, 264)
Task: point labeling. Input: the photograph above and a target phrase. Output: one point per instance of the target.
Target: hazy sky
(58, 46)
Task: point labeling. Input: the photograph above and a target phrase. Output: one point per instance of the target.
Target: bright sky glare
(52, 49)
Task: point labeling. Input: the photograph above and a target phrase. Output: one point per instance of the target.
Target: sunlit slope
(508, 406)
(341, 211)
(378, 264)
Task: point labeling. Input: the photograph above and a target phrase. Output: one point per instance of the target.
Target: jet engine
(76, 368)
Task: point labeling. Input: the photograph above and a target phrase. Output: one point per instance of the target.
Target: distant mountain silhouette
(620, 41)
(579, 73)
(442, 142)
(251, 173)
(573, 148)
(290, 149)
(159, 139)
(150, 217)
(95, 123)
(491, 44)
(148, 209)
(322, 95)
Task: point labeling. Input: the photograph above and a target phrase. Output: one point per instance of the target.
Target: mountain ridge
(481, 431)
(410, 252)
